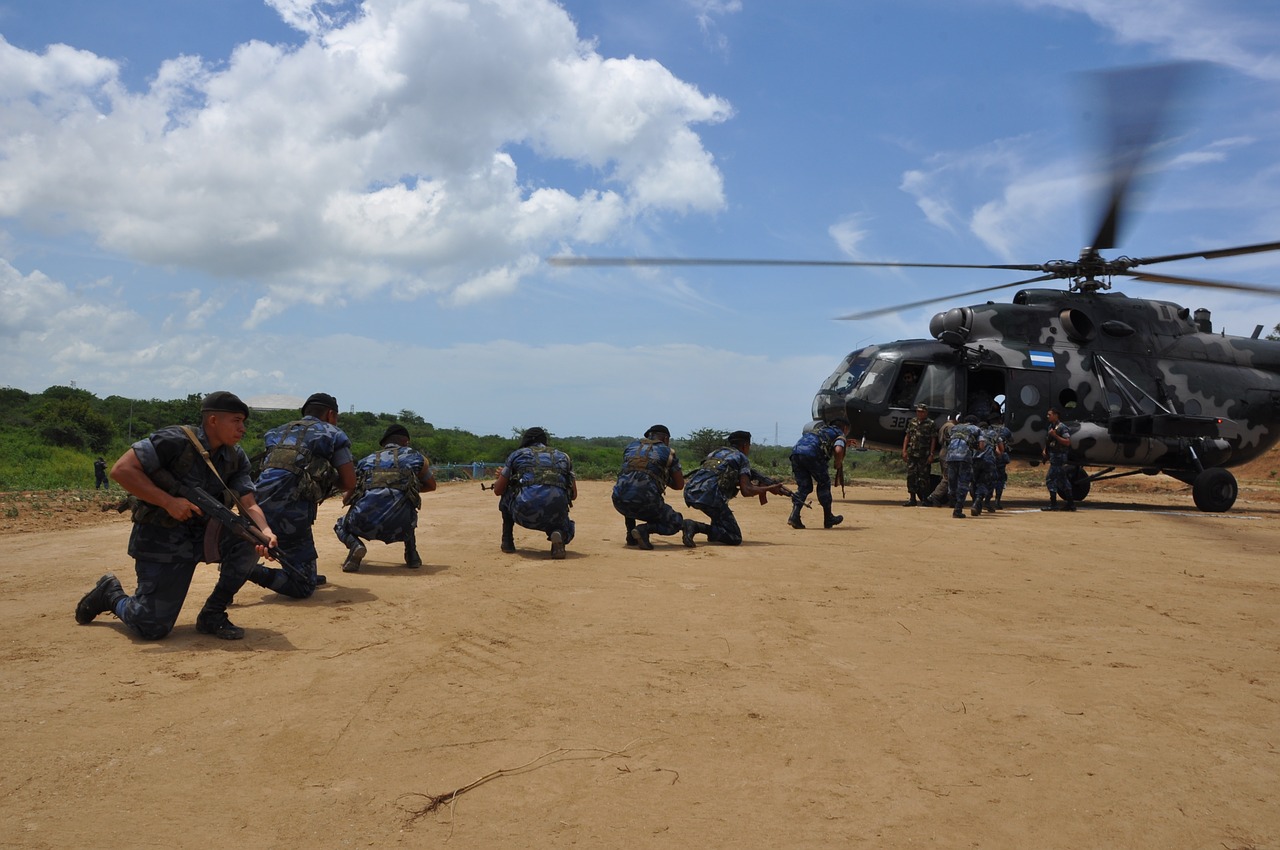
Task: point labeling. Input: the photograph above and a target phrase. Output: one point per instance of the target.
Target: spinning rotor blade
(880, 311)
(574, 262)
(1135, 104)
(1211, 255)
(1208, 284)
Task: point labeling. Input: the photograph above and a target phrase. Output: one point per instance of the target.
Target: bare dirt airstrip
(1104, 679)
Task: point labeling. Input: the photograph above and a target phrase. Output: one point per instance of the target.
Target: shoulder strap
(195, 441)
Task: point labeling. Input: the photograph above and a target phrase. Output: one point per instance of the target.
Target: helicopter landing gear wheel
(1214, 490)
(1080, 483)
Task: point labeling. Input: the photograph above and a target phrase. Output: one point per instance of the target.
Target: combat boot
(1069, 506)
(631, 525)
(508, 535)
(977, 507)
(794, 520)
(1053, 504)
(958, 513)
(640, 537)
(355, 554)
(557, 546)
(689, 528)
(830, 520)
(103, 598)
(412, 559)
(218, 624)
(912, 503)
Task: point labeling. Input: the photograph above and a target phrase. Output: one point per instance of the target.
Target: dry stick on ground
(435, 801)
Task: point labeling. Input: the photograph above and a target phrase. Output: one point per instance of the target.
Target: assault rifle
(766, 481)
(238, 525)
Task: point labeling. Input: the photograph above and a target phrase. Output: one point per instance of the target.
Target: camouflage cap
(922, 406)
(224, 402)
(323, 399)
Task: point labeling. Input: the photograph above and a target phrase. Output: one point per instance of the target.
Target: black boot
(1053, 504)
(794, 520)
(830, 520)
(630, 524)
(688, 528)
(557, 546)
(508, 534)
(1069, 506)
(103, 598)
(411, 557)
(639, 535)
(977, 507)
(355, 554)
(213, 619)
(265, 576)
(912, 503)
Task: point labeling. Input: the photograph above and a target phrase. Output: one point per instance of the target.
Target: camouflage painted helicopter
(1145, 386)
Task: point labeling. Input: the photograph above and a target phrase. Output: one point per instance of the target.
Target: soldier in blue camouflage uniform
(304, 460)
(985, 468)
(919, 446)
(1057, 445)
(724, 474)
(962, 443)
(536, 487)
(810, 459)
(649, 466)
(170, 535)
(1003, 435)
(385, 503)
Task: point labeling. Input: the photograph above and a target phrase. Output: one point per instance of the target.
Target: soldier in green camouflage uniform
(919, 446)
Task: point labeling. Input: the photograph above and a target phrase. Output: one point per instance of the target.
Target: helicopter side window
(938, 387)
(905, 388)
(874, 386)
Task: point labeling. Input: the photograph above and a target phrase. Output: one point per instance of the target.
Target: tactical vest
(644, 461)
(395, 477)
(316, 476)
(545, 471)
(169, 479)
(727, 475)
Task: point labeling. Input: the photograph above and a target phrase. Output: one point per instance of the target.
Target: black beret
(224, 402)
(396, 430)
(738, 437)
(657, 429)
(971, 419)
(321, 398)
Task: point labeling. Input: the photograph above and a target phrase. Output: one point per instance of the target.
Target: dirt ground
(1109, 678)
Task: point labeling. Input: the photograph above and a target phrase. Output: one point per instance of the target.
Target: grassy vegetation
(48, 440)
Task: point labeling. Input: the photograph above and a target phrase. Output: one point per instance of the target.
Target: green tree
(1275, 333)
(703, 441)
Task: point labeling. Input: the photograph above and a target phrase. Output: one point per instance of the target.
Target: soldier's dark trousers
(724, 526)
(811, 473)
(153, 608)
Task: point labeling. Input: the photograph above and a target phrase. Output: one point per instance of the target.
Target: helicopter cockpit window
(875, 383)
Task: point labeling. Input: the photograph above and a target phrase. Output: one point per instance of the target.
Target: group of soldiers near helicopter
(974, 455)
(309, 458)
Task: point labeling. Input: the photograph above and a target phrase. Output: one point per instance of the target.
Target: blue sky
(286, 197)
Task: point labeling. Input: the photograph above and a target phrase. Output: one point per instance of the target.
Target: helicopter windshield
(847, 373)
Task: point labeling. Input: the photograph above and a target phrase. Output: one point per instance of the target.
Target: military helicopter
(1145, 386)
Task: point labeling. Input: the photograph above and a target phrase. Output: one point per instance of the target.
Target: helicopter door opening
(987, 391)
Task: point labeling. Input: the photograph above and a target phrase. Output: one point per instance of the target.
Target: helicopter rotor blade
(1136, 104)
(880, 311)
(577, 262)
(1210, 255)
(1152, 277)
